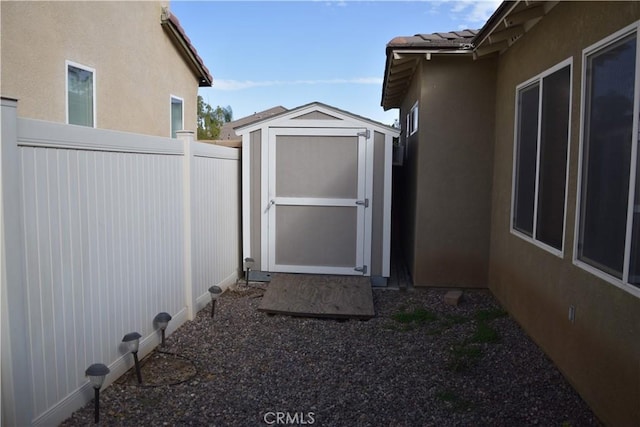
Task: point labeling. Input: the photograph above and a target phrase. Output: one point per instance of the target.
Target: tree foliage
(210, 119)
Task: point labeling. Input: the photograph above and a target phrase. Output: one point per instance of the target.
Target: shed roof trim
(172, 25)
(340, 116)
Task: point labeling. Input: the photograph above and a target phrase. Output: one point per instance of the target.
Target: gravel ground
(419, 362)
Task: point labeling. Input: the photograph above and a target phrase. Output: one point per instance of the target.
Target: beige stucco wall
(600, 352)
(137, 67)
(405, 182)
(447, 175)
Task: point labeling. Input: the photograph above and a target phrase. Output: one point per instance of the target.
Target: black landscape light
(248, 265)
(215, 292)
(162, 320)
(96, 374)
(132, 339)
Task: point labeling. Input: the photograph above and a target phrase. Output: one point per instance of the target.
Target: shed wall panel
(256, 197)
(317, 166)
(312, 235)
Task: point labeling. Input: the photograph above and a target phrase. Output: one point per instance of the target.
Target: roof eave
(494, 20)
(171, 24)
(510, 21)
(396, 52)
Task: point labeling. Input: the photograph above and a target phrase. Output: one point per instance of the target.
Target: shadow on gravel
(418, 362)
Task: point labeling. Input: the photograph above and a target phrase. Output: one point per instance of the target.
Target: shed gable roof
(317, 114)
(227, 130)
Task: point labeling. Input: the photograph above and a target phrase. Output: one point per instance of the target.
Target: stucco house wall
(447, 174)
(600, 351)
(137, 66)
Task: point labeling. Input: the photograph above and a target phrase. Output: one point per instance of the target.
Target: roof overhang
(400, 67)
(509, 22)
(172, 26)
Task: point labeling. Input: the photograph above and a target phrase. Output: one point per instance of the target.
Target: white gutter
(397, 53)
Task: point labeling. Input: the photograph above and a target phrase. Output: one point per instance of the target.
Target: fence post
(17, 407)
(186, 136)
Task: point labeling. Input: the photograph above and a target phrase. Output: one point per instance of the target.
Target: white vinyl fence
(102, 230)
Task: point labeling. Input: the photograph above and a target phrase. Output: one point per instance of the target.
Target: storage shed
(316, 193)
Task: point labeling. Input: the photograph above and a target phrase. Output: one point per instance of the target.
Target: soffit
(405, 53)
(508, 24)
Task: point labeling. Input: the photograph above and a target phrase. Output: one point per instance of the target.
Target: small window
(540, 158)
(412, 120)
(177, 115)
(608, 235)
(80, 95)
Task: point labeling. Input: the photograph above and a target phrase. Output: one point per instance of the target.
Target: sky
(263, 54)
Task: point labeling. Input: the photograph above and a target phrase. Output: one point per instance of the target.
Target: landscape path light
(215, 292)
(132, 340)
(162, 320)
(248, 265)
(96, 374)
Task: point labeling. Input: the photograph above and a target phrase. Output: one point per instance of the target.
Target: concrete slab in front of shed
(308, 295)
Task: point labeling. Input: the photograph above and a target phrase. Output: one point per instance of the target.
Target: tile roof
(450, 40)
(171, 23)
(507, 24)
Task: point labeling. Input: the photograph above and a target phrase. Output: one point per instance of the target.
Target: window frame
(538, 79)
(171, 98)
(412, 120)
(599, 46)
(67, 64)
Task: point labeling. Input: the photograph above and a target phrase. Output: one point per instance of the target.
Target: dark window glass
(526, 159)
(554, 136)
(80, 96)
(607, 156)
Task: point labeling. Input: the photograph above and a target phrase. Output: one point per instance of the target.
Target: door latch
(364, 203)
(362, 269)
(271, 203)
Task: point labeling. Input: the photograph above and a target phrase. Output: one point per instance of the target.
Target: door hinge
(362, 269)
(364, 203)
(366, 134)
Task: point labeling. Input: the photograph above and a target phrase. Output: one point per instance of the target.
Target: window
(540, 157)
(177, 115)
(609, 194)
(412, 120)
(80, 95)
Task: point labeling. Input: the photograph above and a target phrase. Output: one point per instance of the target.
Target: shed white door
(316, 205)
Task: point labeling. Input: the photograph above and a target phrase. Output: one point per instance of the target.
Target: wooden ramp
(341, 297)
